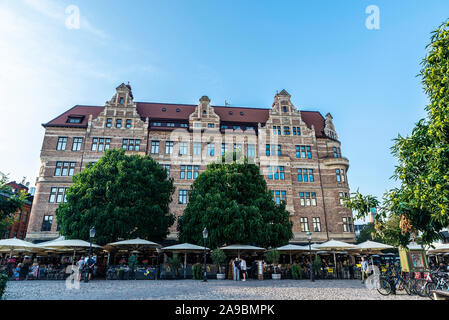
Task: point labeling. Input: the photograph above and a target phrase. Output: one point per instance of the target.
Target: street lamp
(158, 250)
(205, 234)
(91, 236)
(309, 237)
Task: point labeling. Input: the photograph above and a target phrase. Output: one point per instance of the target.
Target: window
(25, 216)
(64, 168)
(211, 125)
(340, 174)
(236, 127)
(197, 148)
(131, 144)
(128, 123)
(156, 124)
(337, 152)
(224, 127)
(304, 224)
(224, 148)
(187, 172)
(100, 144)
(169, 147)
(279, 195)
(118, 123)
(276, 130)
(237, 147)
(121, 100)
(279, 150)
(347, 224)
(211, 148)
(62, 142)
(267, 150)
(75, 119)
(307, 199)
(108, 122)
(57, 195)
(286, 131)
(305, 175)
(167, 168)
(304, 152)
(182, 148)
(182, 197)
(251, 151)
(342, 196)
(183, 125)
(197, 125)
(46, 224)
(170, 124)
(154, 147)
(316, 224)
(77, 142)
(276, 173)
(296, 131)
(284, 109)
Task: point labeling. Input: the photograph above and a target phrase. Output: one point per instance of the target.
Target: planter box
(221, 276)
(276, 276)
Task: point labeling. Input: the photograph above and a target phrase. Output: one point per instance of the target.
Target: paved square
(197, 290)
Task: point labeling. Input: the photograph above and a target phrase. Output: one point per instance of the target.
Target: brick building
(298, 153)
(21, 218)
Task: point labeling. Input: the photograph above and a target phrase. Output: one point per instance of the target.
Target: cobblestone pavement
(197, 290)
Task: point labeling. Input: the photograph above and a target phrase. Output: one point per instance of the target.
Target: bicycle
(390, 281)
(441, 283)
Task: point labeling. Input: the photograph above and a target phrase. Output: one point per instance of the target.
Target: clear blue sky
(239, 51)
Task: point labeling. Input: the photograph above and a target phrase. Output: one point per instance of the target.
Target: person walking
(237, 269)
(243, 268)
(80, 264)
(364, 269)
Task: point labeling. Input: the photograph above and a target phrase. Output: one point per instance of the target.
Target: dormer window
(75, 119)
(284, 108)
(178, 110)
(241, 113)
(122, 100)
(118, 123)
(128, 123)
(108, 122)
(204, 112)
(230, 112)
(164, 109)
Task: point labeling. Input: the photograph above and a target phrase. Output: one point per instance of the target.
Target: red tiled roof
(182, 112)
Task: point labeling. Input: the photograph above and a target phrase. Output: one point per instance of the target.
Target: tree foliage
(122, 196)
(10, 202)
(422, 200)
(361, 204)
(233, 202)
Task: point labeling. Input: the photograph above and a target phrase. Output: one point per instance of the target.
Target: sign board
(413, 260)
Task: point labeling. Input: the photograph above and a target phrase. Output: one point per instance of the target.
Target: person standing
(237, 269)
(243, 268)
(80, 265)
(364, 269)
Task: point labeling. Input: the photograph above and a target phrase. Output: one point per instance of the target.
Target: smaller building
(21, 217)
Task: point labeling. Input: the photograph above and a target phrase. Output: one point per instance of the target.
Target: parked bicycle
(393, 281)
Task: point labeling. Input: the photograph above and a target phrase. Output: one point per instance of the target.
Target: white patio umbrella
(334, 245)
(442, 248)
(242, 247)
(184, 248)
(371, 247)
(291, 248)
(15, 244)
(67, 245)
(134, 244)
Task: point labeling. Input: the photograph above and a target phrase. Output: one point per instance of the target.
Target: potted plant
(174, 263)
(272, 257)
(317, 266)
(218, 257)
(197, 270)
(296, 272)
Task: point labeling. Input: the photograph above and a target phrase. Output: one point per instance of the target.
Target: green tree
(233, 202)
(361, 204)
(422, 200)
(122, 196)
(10, 202)
(218, 257)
